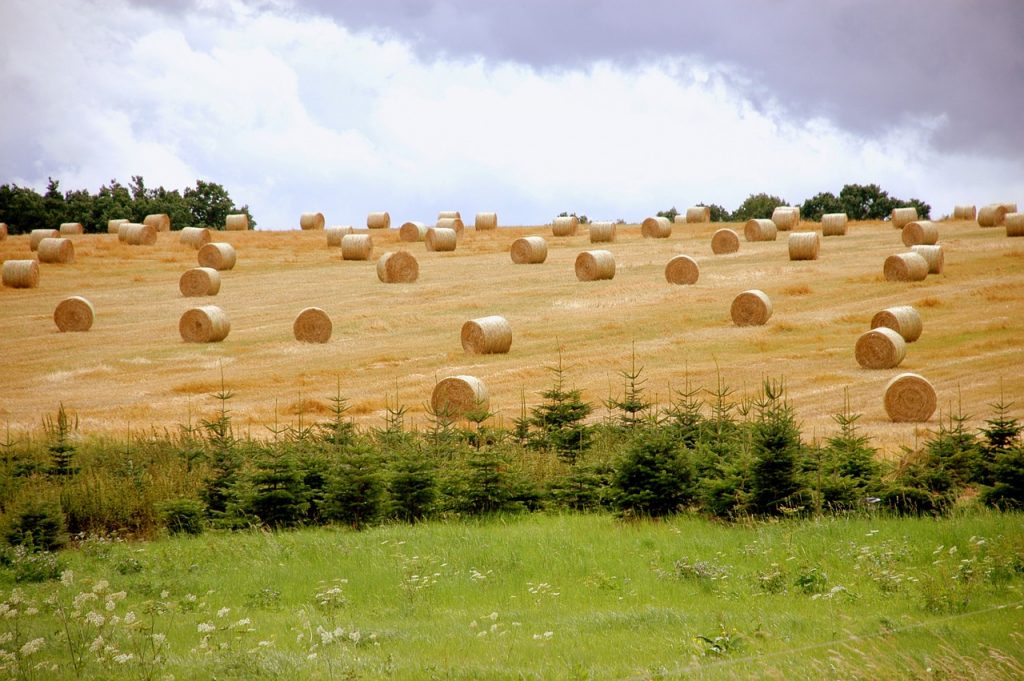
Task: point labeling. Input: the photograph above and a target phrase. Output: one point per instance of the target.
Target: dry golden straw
(312, 325)
(725, 241)
(441, 215)
(487, 335)
(441, 239)
(196, 237)
(760, 229)
(602, 232)
(933, 254)
(398, 267)
(901, 216)
(786, 217)
(199, 281)
(905, 267)
(682, 269)
(880, 348)
(356, 247)
(60, 251)
(74, 314)
(379, 220)
(965, 211)
(656, 228)
(219, 256)
(595, 265)
(903, 319)
(138, 234)
(833, 224)
(1014, 224)
(751, 308)
(992, 215)
(454, 397)
(486, 221)
(72, 228)
(37, 235)
(803, 246)
(311, 221)
(920, 232)
(238, 222)
(335, 234)
(3, 231)
(204, 324)
(454, 224)
(698, 214)
(565, 226)
(112, 225)
(412, 232)
(161, 221)
(21, 273)
(910, 398)
(529, 250)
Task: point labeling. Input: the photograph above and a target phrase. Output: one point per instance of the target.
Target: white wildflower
(205, 627)
(119, 596)
(100, 586)
(111, 605)
(97, 644)
(165, 594)
(159, 639)
(124, 658)
(67, 578)
(32, 647)
(29, 611)
(130, 618)
(95, 619)
(244, 622)
(223, 612)
(355, 636)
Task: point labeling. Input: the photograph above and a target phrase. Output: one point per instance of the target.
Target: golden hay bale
(398, 267)
(21, 273)
(37, 235)
(441, 238)
(219, 256)
(903, 319)
(920, 232)
(487, 335)
(595, 265)
(760, 229)
(204, 324)
(454, 397)
(905, 267)
(138, 234)
(803, 246)
(72, 228)
(910, 398)
(1011, 207)
(751, 308)
(196, 237)
(965, 211)
(901, 216)
(311, 221)
(122, 230)
(379, 220)
(880, 348)
(725, 241)
(442, 214)
(454, 224)
(60, 251)
(933, 254)
(529, 250)
(698, 214)
(602, 232)
(565, 225)
(486, 221)
(1014, 224)
(833, 224)
(679, 219)
(656, 228)
(356, 247)
(3, 231)
(992, 215)
(312, 325)
(786, 217)
(112, 225)
(412, 231)
(682, 269)
(238, 222)
(199, 281)
(74, 314)
(161, 221)
(335, 234)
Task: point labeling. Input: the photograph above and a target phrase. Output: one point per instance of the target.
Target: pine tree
(956, 449)
(776, 449)
(280, 497)
(222, 456)
(355, 491)
(654, 477)
(634, 409)
(559, 421)
(412, 487)
(62, 452)
(1001, 434)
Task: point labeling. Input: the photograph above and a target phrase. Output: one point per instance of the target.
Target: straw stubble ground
(393, 342)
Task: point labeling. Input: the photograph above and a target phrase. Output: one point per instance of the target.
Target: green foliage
(355, 490)
(866, 202)
(62, 452)
(585, 487)
(776, 449)
(654, 477)
(718, 213)
(279, 496)
(37, 526)
(634, 409)
(924, 211)
(209, 204)
(956, 450)
(182, 516)
(819, 204)
(223, 461)
(487, 485)
(757, 206)
(582, 218)
(412, 487)
(559, 422)
(671, 214)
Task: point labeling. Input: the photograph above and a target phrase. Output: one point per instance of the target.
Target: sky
(527, 107)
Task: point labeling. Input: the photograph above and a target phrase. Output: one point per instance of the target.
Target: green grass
(540, 597)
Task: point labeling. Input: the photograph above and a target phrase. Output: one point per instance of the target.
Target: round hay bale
(59, 251)
(565, 225)
(161, 221)
(751, 308)
(656, 228)
(412, 232)
(1010, 206)
(196, 237)
(204, 324)
(920, 232)
(760, 229)
(356, 247)
(905, 267)
(786, 218)
(21, 273)
(219, 256)
(529, 250)
(335, 235)
(682, 269)
(965, 211)
(122, 230)
(803, 245)
(903, 319)
(379, 220)
(74, 314)
(1014, 224)
(238, 222)
(72, 228)
(37, 235)
(698, 214)
(112, 225)
(312, 325)
(3, 231)
(933, 254)
(910, 398)
(486, 221)
(992, 215)
(454, 224)
(199, 281)
(311, 221)
(880, 348)
(679, 219)
(725, 241)
(595, 265)
(442, 214)
(602, 232)
(833, 224)
(441, 238)
(138, 234)
(901, 216)
(398, 267)
(487, 335)
(454, 397)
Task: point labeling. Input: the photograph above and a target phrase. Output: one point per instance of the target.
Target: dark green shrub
(355, 490)
(182, 516)
(757, 206)
(558, 423)
(412, 487)
(486, 485)
(583, 488)
(280, 497)
(775, 445)
(33, 566)
(36, 526)
(654, 477)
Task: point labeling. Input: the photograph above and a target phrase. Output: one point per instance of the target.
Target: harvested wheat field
(393, 343)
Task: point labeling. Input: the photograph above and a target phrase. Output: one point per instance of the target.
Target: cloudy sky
(528, 107)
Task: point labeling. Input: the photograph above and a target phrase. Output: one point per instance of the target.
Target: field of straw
(392, 342)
